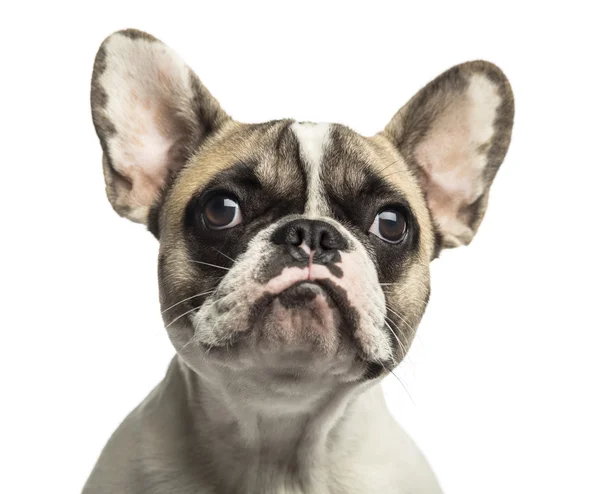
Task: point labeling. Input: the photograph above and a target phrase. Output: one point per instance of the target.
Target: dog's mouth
(292, 321)
(312, 295)
(311, 312)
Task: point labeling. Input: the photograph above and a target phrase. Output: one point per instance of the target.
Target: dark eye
(222, 211)
(390, 225)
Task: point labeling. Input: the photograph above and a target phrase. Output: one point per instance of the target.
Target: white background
(504, 373)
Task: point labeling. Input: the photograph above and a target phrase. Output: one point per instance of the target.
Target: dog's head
(294, 247)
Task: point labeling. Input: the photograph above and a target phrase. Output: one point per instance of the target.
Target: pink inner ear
(453, 156)
(149, 91)
(141, 148)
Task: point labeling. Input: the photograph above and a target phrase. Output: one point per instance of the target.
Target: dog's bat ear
(454, 133)
(151, 112)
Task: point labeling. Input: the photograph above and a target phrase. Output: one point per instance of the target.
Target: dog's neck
(296, 448)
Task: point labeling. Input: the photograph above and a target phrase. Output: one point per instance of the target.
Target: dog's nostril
(327, 242)
(328, 237)
(321, 237)
(295, 237)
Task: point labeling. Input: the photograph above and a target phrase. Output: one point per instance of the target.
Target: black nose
(321, 237)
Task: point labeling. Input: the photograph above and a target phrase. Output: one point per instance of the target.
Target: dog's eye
(390, 225)
(222, 211)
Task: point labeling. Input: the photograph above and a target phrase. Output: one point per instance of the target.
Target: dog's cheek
(406, 300)
(229, 311)
(182, 290)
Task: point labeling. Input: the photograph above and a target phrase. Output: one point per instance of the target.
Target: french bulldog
(293, 271)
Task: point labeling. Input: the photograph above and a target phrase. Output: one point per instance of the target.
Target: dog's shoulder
(146, 453)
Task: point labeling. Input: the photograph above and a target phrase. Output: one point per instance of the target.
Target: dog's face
(289, 247)
(299, 240)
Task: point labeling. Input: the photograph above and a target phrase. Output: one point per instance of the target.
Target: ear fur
(151, 112)
(455, 133)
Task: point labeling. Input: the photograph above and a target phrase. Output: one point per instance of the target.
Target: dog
(293, 271)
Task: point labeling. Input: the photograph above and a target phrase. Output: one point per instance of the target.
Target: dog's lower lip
(301, 293)
(307, 283)
(305, 287)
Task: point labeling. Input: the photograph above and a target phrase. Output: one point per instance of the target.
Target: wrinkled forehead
(323, 165)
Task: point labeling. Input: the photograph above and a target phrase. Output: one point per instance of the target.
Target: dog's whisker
(225, 255)
(419, 304)
(186, 299)
(399, 330)
(406, 323)
(391, 371)
(403, 337)
(192, 340)
(396, 336)
(182, 315)
(213, 265)
(413, 330)
(402, 318)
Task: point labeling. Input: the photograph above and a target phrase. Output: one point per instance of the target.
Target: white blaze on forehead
(313, 139)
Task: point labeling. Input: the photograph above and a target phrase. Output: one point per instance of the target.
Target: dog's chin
(301, 318)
